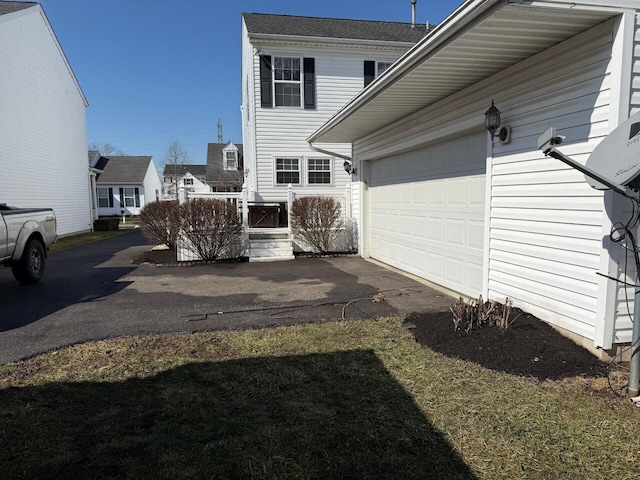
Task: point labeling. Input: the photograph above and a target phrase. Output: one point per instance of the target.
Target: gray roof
(217, 176)
(197, 170)
(122, 170)
(260, 23)
(9, 7)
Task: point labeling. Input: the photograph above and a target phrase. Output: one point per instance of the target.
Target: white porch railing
(345, 241)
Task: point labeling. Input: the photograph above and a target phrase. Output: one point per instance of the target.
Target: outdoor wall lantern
(349, 168)
(492, 124)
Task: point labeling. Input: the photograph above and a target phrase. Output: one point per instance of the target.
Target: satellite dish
(617, 157)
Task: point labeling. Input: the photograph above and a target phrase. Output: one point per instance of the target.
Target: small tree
(317, 221)
(210, 226)
(175, 156)
(160, 222)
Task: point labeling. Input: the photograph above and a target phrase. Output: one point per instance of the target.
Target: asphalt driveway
(95, 292)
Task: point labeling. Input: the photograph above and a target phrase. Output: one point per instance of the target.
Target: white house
(191, 177)
(441, 200)
(225, 167)
(125, 184)
(43, 140)
(296, 73)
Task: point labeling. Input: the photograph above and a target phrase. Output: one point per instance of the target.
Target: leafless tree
(316, 220)
(175, 155)
(211, 227)
(106, 149)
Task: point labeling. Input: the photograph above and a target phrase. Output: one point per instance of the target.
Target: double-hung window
(103, 197)
(287, 80)
(287, 171)
(188, 181)
(319, 171)
(129, 197)
(231, 160)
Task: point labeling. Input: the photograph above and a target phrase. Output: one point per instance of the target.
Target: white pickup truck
(25, 237)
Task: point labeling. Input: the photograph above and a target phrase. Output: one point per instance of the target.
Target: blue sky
(158, 71)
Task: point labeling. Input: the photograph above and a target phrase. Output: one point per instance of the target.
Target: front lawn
(358, 399)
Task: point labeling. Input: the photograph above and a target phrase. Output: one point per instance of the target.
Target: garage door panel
(427, 212)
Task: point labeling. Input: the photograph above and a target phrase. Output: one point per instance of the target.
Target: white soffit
(496, 41)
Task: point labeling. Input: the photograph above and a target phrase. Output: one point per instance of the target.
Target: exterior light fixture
(348, 167)
(492, 124)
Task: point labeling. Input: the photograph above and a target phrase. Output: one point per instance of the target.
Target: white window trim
(300, 82)
(131, 197)
(301, 173)
(106, 189)
(307, 171)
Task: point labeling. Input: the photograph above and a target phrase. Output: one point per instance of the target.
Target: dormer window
(231, 160)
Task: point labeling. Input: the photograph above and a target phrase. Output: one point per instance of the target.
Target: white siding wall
(250, 101)
(635, 86)
(43, 146)
(152, 184)
(282, 132)
(544, 223)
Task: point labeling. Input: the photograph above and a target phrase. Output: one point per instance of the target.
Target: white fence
(346, 239)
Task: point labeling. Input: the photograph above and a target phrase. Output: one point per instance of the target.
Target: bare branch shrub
(475, 312)
(210, 226)
(160, 222)
(317, 221)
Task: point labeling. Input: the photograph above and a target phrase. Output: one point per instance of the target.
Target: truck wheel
(30, 268)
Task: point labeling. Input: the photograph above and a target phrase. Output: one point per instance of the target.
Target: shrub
(106, 224)
(316, 220)
(478, 313)
(160, 222)
(210, 226)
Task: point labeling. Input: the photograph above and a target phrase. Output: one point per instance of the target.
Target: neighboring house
(43, 139)
(125, 184)
(441, 200)
(191, 177)
(225, 167)
(296, 73)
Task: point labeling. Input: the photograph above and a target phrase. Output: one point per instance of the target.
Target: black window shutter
(121, 197)
(309, 65)
(110, 197)
(369, 71)
(266, 100)
(137, 197)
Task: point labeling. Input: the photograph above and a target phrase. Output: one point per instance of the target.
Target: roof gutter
(449, 27)
(328, 152)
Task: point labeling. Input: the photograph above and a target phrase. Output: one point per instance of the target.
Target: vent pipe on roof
(413, 13)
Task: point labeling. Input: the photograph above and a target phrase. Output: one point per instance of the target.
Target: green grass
(353, 399)
(82, 238)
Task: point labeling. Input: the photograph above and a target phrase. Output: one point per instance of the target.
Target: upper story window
(231, 160)
(374, 69)
(319, 170)
(188, 181)
(287, 171)
(381, 67)
(287, 81)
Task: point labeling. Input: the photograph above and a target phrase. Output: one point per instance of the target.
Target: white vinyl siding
(635, 85)
(544, 224)
(43, 146)
(283, 132)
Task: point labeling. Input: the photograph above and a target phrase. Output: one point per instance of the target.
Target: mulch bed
(529, 347)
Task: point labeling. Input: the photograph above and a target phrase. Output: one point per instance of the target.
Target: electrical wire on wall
(622, 234)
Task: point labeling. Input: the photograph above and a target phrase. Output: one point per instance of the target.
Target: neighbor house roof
(10, 7)
(332, 28)
(197, 170)
(123, 170)
(478, 40)
(217, 176)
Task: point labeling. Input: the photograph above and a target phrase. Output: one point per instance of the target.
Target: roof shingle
(337, 28)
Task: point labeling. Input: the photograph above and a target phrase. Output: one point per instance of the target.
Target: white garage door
(426, 212)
